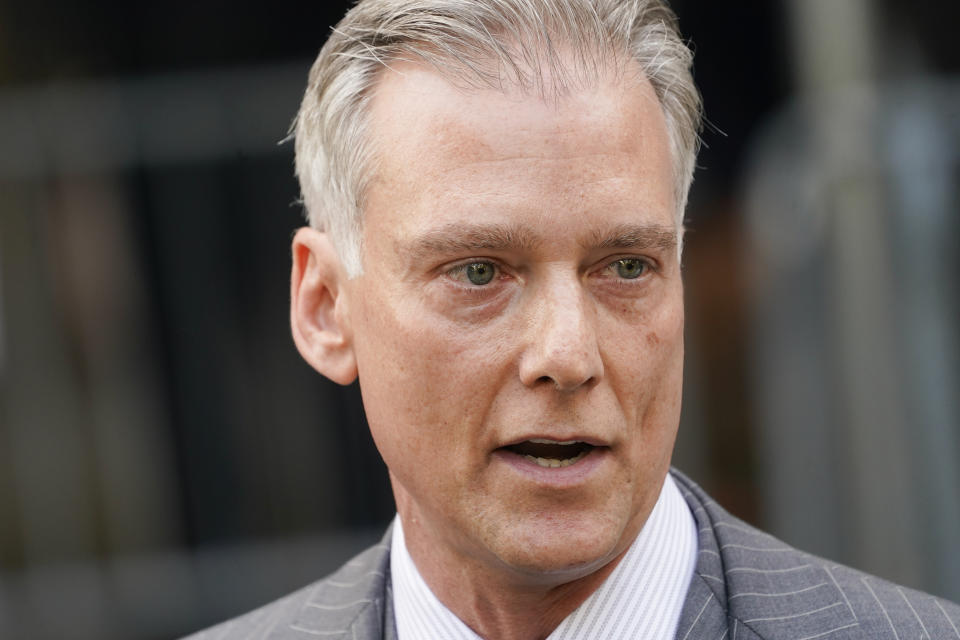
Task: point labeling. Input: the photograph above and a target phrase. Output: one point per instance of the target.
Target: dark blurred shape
(151, 396)
(851, 202)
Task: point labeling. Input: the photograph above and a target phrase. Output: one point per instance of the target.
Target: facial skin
(520, 280)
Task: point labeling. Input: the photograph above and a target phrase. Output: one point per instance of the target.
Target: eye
(629, 268)
(480, 273)
(476, 273)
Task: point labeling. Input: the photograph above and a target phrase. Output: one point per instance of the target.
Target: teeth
(554, 463)
(547, 441)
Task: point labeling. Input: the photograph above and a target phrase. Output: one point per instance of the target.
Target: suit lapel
(356, 603)
(752, 585)
(704, 613)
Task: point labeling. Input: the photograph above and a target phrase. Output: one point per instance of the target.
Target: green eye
(479, 273)
(630, 268)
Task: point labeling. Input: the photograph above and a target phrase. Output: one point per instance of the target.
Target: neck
(502, 606)
(495, 599)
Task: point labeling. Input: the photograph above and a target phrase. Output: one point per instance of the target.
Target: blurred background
(166, 458)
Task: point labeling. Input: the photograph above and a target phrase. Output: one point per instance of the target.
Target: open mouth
(551, 453)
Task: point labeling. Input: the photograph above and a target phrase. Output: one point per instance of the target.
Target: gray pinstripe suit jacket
(747, 585)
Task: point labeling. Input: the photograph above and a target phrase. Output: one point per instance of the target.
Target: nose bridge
(562, 344)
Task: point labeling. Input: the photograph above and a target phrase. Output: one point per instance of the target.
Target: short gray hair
(528, 44)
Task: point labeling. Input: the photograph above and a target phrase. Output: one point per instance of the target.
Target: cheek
(665, 349)
(646, 370)
(660, 416)
(426, 384)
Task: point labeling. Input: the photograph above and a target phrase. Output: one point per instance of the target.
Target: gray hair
(537, 45)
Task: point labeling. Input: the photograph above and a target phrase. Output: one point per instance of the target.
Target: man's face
(520, 289)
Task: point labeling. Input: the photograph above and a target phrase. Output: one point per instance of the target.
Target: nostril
(563, 351)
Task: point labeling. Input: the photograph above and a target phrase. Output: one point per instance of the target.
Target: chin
(557, 551)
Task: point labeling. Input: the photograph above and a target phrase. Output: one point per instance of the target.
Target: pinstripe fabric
(747, 585)
(640, 600)
(354, 603)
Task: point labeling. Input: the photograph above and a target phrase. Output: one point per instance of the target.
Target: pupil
(629, 268)
(480, 272)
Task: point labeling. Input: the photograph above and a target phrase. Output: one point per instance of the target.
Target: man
(496, 192)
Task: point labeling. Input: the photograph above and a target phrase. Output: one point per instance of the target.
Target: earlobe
(319, 317)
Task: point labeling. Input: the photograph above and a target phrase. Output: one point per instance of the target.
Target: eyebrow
(469, 238)
(634, 236)
(480, 237)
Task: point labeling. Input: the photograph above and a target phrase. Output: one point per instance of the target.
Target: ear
(318, 309)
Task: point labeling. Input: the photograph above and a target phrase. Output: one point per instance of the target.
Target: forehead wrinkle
(634, 236)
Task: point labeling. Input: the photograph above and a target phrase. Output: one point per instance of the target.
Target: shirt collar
(640, 599)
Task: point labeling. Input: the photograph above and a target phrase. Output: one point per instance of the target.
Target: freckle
(653, 339)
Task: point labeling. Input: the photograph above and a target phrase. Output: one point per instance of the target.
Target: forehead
(430, 109)
(440, 147)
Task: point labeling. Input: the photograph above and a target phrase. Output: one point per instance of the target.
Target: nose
(562, 347)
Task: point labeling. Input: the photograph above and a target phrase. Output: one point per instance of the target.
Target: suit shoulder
(778, 592)
(773, 591)
(326, 606)
(885, 609)
(259, 622)
(781, 587)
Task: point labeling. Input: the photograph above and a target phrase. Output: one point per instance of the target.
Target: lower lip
(556, 477)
